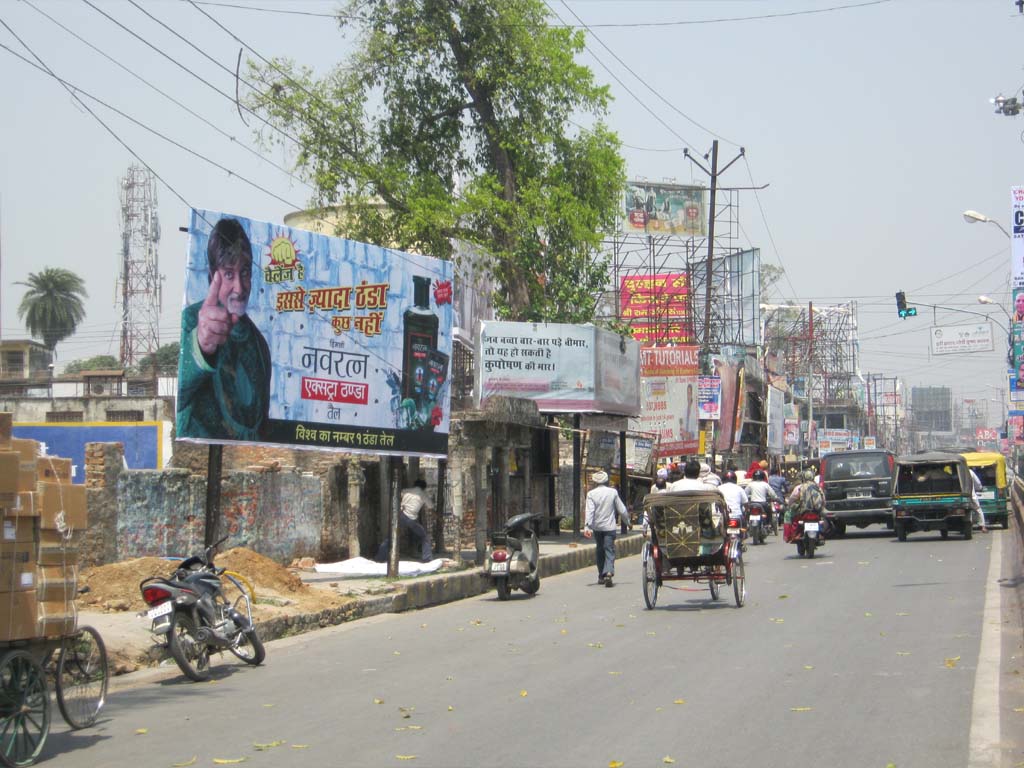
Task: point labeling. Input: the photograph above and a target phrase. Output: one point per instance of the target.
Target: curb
(435, 590)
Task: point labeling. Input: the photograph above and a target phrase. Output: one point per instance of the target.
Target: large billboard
(657, 308)
(957, 339)
(1017, 236)
(563, 368)
(670, 395)
(668, 209)
(299, 339)
(776, 421)
(144, 441)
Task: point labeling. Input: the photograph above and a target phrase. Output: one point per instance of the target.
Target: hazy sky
(871, 125)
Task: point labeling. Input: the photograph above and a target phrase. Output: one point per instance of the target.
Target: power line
(764, 218)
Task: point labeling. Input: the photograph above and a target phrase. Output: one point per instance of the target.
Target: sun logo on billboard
(283, 261)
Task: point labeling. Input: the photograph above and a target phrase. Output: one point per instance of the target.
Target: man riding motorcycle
(761, 493)
(794, 505)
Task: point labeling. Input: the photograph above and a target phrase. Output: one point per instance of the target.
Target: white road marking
(985, 714)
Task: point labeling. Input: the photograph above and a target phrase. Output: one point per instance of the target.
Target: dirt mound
(115, 587)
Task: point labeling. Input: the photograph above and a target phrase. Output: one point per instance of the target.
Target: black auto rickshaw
(932, 491)
(990, 467)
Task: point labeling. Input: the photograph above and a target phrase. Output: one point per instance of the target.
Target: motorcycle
(807, 533)
(777, 512)
(192, 617)
(511, 561)
(757, 522)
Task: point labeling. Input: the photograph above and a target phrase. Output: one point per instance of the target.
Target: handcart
(689, 542)
(77, 665)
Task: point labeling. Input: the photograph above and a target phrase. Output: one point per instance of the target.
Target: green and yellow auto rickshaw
(990, 467)
(932, 492)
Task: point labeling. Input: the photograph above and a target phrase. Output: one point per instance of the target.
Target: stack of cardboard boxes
(40, 510)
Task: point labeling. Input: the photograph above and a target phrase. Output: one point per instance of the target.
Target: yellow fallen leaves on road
(229, 760)
(808, 666)
(615, 764)
(863, 562)
(783, 597)
(564, 632)
(185, 764)
(614, 673)
(950, 663)
(902, 613)
(868, 614)
(451, 708)
(407, 711)
(800, 709)
(902, 653)
(300, 746)
(667, 759)
(405, 757)
(141, 731)
(378, 701)
(522, 693)
(268, 745)
(1018, 709)
(776, 621)
(679, 701)
(595, 645)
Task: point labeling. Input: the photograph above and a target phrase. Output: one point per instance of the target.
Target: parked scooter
(192, 616)
(511, 561)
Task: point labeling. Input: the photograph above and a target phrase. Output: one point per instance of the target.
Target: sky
(870, 123)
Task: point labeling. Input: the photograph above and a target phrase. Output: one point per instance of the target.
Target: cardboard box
(56, 583)
(54, 469)
(17, 566)
(52, 499)
(54, 549)
(56, 618)
(10, 468)
(24, 506)
(6, 424)
(18, 620)
(18, 529)
(27, 478)
(28, 449)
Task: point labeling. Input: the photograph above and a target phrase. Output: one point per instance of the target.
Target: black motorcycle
(192, 617)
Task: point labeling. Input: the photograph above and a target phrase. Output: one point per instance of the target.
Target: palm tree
(52, 306)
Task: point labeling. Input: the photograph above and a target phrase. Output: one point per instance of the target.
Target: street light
(973, 217)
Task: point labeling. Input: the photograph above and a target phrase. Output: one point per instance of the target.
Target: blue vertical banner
(298, 339)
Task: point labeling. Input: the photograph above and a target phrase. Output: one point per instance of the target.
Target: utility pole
(810, 374)
(714, 172)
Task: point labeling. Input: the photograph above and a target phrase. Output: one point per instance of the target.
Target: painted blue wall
(141, 440)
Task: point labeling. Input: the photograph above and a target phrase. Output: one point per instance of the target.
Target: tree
(97, 363)
(164, 360)
(452, 122)
(770, 275)
(52, 306)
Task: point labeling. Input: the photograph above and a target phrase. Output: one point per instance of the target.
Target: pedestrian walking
(604, 512)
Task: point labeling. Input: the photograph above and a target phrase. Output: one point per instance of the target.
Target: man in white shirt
(735, 497)
(413, 501)
(604, 512)
(691, 479)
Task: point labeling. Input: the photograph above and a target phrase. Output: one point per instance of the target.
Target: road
(865, 656)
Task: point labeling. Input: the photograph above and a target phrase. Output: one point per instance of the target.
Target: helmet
(808, 475)
(730, 476)
(759, 474)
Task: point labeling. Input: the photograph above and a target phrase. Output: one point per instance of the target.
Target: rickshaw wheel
(24, 709)
(82, 673)
(739, 583)
(650, 576)
(968, 529)
(713, 584)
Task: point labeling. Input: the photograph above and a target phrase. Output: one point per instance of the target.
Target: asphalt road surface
(874, 653)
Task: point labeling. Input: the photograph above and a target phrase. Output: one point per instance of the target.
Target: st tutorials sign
(299, 339)
(669, 380)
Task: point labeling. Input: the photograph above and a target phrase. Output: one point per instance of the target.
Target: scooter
(511, 561)
(757, 522)
(807, 533)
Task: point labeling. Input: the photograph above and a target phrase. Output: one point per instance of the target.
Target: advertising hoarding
(670, 209)
(563, 368)
(776, 421)
(670, 391)
(657, 308)
(317, 342)
(709, 398)
(1017, 236)
(958, 339)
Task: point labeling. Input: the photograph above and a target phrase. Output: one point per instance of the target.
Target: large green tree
(52, 306)
(97, 363)
(164, 360)
(461, 120)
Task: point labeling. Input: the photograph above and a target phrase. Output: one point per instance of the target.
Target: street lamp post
(973, 217)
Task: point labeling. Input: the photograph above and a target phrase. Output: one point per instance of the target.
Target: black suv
(858, 488)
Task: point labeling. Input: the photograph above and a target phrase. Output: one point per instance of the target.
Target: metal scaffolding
(139, 283)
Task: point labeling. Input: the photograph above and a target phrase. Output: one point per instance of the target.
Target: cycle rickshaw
(689, 542)
(77, 663)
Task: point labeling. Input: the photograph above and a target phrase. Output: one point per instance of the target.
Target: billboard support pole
(213, 476)
(577, 475)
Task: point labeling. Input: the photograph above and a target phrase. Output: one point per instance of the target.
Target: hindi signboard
(657, 308)
(295, 338)
(1017, 236)
(670, 209)
(957, 339)
(670, 383)
(563, 368)
(709, 398)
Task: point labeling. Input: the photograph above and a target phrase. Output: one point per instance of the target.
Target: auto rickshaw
(990, 467)
(932, 491)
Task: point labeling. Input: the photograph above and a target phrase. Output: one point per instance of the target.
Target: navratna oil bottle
(419, 340)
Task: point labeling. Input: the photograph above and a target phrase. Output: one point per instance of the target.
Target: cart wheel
(82, 674)
(713, 584)
(739, 582)
(650, 576)
(24, 709)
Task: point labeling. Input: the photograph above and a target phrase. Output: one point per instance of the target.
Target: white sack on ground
(360, 566)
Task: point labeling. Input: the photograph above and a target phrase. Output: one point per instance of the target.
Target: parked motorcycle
(758, 518)
(192, 617)
(511, 561)
(807, 533)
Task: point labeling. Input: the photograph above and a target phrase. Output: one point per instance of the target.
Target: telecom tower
(139, 284)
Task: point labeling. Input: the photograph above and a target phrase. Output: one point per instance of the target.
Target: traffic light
(901, 306)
